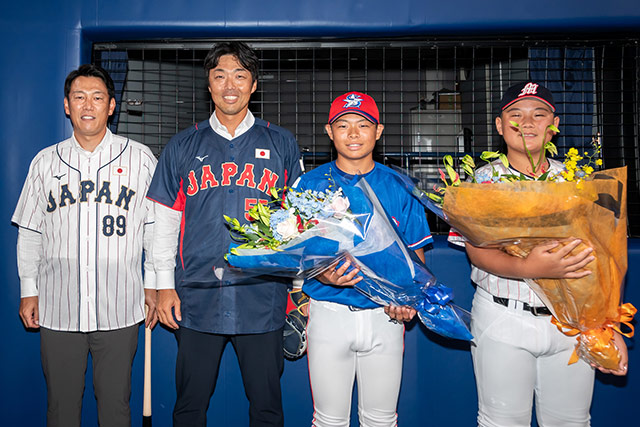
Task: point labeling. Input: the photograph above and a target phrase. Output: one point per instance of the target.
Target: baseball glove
(295, 334)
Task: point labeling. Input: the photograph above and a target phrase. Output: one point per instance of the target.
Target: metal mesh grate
(436, 97)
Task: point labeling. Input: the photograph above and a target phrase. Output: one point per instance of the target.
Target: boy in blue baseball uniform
(224, 165)
(349, 336)
(518, 354)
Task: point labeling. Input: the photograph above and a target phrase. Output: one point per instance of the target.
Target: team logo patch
(352, 101)
(529, 89)
(263, 153)
(119, 170)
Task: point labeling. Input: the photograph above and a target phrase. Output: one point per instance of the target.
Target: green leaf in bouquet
(264, 228)
(543, 177)
(252, 238)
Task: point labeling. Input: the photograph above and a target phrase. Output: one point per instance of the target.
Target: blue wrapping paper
(392, 273)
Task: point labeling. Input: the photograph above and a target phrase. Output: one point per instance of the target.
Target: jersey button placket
(231, 158)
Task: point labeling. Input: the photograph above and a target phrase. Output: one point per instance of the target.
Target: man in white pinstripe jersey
(83, 224)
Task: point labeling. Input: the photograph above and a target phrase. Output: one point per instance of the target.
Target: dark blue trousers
(261, 363)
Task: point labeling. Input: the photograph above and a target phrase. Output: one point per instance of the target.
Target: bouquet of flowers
(310, 231)
(516, 214)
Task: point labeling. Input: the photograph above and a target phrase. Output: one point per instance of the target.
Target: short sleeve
(293, 162)
(415, 227)
(456, 238)
(166, 185)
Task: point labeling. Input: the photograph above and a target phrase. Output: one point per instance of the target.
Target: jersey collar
(106, 140)
(349, 176)
(242, 128)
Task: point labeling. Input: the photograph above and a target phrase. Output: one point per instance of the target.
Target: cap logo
(529, 89)
(352, 101)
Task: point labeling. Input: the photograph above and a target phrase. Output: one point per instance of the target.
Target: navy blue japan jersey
(405, 210)
(207, 176)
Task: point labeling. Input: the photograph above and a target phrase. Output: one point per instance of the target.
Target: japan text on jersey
(92, 214)
(205, 176)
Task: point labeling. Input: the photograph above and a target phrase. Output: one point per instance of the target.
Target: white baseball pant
(518, 356)
(343, 345)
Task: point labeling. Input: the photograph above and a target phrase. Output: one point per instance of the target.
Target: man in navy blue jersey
(224, 165)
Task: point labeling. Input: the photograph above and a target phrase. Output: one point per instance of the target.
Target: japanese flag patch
(263, 153)
(119, 170)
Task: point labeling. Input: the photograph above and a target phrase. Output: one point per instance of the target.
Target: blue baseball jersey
(207, 176)
(405, 210)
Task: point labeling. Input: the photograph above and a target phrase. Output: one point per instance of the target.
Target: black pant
(64, 362)
(261, 363)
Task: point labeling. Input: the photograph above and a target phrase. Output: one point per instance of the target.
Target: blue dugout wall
(42, 41)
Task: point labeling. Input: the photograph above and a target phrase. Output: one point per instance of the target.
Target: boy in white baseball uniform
(83, 223)
(517, 352)
(349, 336)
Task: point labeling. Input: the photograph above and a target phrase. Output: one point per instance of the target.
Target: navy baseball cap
(356, 103)
(527, 90)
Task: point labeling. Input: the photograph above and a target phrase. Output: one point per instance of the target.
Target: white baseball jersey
(501, 286)
(92, 214)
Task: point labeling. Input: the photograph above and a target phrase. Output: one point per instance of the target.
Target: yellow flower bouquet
(522, 213)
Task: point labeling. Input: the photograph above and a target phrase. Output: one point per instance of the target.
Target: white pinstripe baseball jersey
(501, 286)
(91, 211)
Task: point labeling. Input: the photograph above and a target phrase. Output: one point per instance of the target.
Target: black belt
(353, 308)
(536, 311)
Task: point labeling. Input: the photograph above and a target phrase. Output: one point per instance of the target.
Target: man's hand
(150, 296)
(167, 300)
(401, 314)
(618, 340)
(339, 276)
(542, 262)
(29, 312)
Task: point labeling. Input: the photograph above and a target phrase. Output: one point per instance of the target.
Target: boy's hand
(618, 340)
(542, 262)
(339, 276)
(401, 314)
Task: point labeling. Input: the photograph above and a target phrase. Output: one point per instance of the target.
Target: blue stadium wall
(44, 40)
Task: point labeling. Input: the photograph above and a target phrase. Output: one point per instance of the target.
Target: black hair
(245, 55)
(90, 70)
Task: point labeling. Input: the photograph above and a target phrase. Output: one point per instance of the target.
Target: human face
(354, 138)
(533, 118)
(89, 107)
(231, 86)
